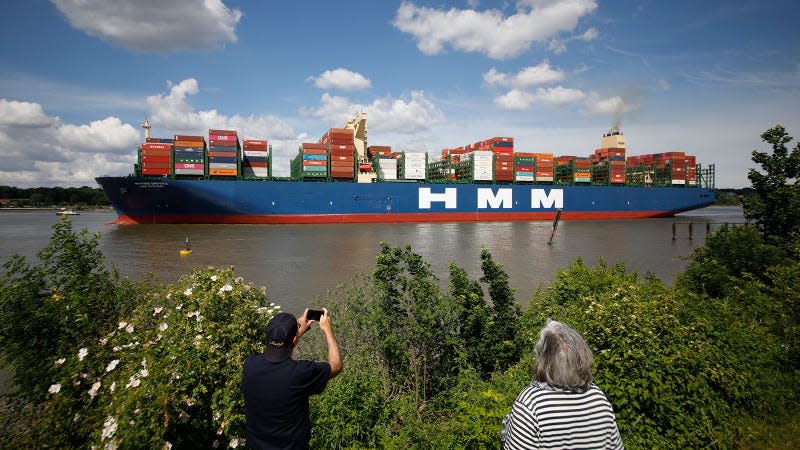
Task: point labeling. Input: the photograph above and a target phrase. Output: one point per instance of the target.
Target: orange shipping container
(223, 172)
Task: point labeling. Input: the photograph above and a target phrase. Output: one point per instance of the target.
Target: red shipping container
(222, 154)
(155, 159)
(186, 137)
(313, 146)
(314, 151)
(156, 165)
(156, 152)
(146, 171)
(156, 146)
(348, 158)
(193, 166)
(255, 163)
(223, 143)
(253, 144)
(222, 132)
(341, 165)
(311, 162)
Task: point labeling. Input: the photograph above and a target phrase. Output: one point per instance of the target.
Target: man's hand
(303, 324)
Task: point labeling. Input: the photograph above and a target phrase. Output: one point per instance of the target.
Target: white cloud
(37, 149)
(515, 100)
(154, 25)
(611, 106)
(537, 75)
(23, 114)
(342, 79)
(408, 114)
(558, 96)
(664, 84)
(560, 46)
(490, 32)
(518, 100)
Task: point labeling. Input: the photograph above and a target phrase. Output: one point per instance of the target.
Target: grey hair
(562, 357)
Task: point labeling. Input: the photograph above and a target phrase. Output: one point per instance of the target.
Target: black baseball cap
(281, 331)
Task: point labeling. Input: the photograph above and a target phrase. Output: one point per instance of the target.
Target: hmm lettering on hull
(489, 198)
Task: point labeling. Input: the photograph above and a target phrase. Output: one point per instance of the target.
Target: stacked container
(478, 166)
(190, 155)
(608, 166)
(411, 165)
(311, 162)
(155, 158)
(256, 158)
(524, 167)
(545, 167)
(339, 142)
(385, 167)
(223, 153)
(573, 170)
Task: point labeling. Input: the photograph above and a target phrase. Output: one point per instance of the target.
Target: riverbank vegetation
(40, 197)
(712, 362)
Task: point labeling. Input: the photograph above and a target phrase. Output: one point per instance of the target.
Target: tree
(776, 206)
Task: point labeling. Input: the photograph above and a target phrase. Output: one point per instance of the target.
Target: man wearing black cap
(276, 387)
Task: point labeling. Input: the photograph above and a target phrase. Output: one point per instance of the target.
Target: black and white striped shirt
(546, 417)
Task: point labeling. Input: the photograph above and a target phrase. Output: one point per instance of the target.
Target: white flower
(180, 306)
(157, 310)
(183, 417)
(234, 443)
(54, 388)
(113, 387)
(115, 349)
(112, 365)
(129, 328)
(122, 325)
(60, 361)
(167, 446)
(169, 295)
(163, 326)
(214, 278)
(226, 288)
(82, 353)
(193, 314)
(144, 373)
(103, 341)
(239, 280)
(187, 292)
(94, 388)
(109, 428)
(133, 381)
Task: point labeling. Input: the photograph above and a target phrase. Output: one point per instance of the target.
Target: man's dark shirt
(276, 401)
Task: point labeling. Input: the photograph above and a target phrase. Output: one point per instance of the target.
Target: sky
(78, 77)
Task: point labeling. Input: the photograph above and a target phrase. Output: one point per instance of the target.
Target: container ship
(342, 179)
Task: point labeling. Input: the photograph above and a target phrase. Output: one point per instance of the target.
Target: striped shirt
(546, 417)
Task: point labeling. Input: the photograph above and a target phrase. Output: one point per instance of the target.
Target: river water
(296, 263)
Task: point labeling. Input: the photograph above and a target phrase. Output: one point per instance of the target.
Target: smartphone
(314, 314)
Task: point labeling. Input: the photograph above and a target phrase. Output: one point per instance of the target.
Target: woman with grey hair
(561, 408)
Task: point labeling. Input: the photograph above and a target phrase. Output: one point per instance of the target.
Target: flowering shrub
(168, 376)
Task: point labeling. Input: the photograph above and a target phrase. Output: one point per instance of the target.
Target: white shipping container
(257, 153)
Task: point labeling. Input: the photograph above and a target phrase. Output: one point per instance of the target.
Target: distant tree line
(733, 197)
(83, 196)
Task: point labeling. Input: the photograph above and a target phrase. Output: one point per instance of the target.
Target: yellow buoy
(186, 250)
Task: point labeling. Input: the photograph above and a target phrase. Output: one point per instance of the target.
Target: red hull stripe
(392, 218)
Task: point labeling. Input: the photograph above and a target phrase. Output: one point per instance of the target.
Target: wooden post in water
(555, 225)
(673, 230)
(690, 231)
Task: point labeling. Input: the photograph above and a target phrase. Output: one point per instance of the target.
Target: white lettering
(449, 198)
(540, 199)
(488, 199)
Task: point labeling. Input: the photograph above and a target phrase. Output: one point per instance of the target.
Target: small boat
(67, 212)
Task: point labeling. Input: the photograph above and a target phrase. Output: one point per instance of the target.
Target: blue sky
(77, 77)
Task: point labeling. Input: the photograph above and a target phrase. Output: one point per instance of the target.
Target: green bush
(167, 375)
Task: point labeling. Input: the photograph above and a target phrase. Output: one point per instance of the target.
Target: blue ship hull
(163, 200)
